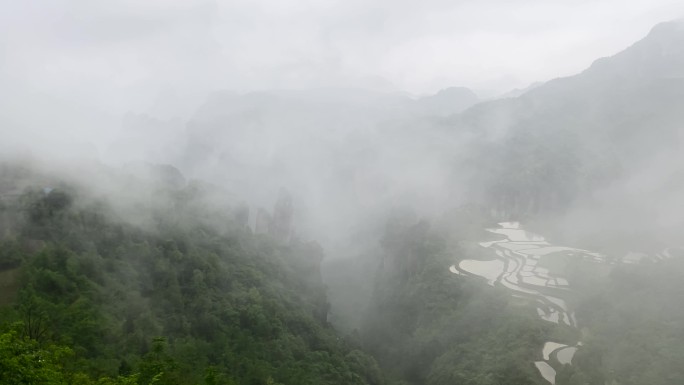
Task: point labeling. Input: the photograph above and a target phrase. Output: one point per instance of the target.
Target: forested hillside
(192, 297)
(587, 145)
(339, 235)
(632, 325)
(445, 330)
(592, 160)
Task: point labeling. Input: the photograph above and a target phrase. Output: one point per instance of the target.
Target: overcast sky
(121, 55)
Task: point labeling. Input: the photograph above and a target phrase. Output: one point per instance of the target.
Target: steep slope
(578, 151)
(427, 326)
(344, 154)
(448, 101)
(579, 141)
(183, 294)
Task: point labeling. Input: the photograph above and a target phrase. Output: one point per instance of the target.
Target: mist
(434, 193)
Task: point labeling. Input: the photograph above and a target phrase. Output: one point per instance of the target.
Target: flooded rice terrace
(516, 266)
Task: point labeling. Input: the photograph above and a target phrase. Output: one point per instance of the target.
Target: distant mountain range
(609, 138)
(577, 141)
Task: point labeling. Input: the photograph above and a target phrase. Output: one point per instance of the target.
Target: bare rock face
(281, 225)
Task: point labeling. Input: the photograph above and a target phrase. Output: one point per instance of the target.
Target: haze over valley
(325, 193)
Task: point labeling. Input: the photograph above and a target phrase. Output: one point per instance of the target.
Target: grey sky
(120, 55)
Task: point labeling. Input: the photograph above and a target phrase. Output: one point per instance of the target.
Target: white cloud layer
(122, 55)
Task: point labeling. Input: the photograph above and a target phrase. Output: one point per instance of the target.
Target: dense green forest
(341, 193)
(632, 325)
(177, 289)
(185, 293)
(447, 330)
(194, 298)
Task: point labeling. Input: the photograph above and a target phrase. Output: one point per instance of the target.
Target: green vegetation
(184, 293)
(428, 326)
(195, 298)
(633, 328)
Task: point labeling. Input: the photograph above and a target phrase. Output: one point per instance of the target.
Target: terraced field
(515, 265)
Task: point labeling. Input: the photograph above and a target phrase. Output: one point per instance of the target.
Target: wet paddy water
(516, 267)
